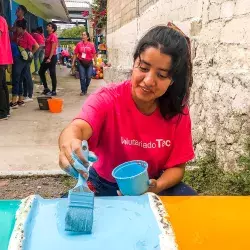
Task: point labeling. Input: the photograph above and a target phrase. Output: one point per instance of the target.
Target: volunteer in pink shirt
(21, 68)
(64, 55)
(50, 60)
(85, 53)
(5, 59)
(39, 55)
(145, 118)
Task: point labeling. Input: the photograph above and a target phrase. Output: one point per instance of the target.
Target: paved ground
(28, 140)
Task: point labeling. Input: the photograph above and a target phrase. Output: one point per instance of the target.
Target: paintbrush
(79, 216)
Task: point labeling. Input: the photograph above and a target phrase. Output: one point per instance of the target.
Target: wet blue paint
(119, 223)
(132, 177)
(7, 221)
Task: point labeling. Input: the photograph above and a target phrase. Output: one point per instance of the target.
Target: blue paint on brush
(79, 217)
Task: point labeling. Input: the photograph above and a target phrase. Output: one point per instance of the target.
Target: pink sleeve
(94, 112)
(31, 40)
(53, 39)
(1, 24)
(182, 150)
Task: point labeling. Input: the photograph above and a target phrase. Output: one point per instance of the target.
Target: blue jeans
(20, 74)
(39, 55)
(85, 76)
(101, 187)
(28, 84)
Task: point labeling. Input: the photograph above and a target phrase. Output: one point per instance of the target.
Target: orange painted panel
(210, 223)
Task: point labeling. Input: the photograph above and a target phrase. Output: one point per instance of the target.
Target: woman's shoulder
(112, 91)
(115, 89)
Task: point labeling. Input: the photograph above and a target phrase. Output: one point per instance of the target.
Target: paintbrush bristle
(79, 217)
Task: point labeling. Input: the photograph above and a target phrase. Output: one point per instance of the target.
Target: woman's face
(150, 77)
(84, 36)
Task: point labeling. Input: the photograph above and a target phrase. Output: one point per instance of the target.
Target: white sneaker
(27, 99)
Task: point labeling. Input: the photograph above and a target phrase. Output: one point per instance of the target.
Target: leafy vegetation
(209, 179)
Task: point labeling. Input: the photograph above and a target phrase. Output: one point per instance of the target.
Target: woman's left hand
(153, 186)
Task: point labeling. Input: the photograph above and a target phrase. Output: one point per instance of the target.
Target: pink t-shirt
(65, 53)
(26, 40)
(122, 133)
(5, 48)
(39, 38)
(52, 38)
(85, 51)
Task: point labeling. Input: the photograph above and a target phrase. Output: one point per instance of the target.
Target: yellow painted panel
(210, 223)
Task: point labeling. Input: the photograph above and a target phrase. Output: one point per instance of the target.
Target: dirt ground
(47, 187)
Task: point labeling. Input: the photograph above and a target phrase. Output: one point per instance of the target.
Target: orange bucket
(55, 105)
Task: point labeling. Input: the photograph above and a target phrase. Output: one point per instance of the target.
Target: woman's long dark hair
(171, 42)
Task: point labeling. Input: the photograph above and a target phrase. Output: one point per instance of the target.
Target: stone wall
(220, 34)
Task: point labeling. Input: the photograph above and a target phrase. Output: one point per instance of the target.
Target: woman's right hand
(66, 160)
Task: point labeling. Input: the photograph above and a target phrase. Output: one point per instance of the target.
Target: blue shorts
(102, 187)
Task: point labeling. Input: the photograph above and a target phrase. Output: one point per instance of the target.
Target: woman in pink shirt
(22, 84)
(5, 59)
(84, 53)
(145, 118)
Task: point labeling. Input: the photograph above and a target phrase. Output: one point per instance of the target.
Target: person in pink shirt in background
(5, 59)
(39, 55)
(64, 55)
(84, 53)
(50, 60)
(21, 68)
(144, 118)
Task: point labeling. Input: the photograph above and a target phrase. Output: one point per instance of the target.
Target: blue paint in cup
(132, 177)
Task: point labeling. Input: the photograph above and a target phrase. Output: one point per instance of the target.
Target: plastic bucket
(132, 177)
(55, 105)
(43, 102)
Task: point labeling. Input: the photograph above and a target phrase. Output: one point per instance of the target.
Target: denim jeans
(52, 70)
(20, 74)
(101, 187)
(28, 84)
(85, 76)
(4, 94)
(38, 56)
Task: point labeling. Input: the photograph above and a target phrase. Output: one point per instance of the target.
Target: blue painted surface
(13, 12)
(40, 21)
(7, 220)
(119, 223)
(132, 177)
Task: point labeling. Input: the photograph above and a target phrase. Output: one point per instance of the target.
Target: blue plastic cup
(132, 177)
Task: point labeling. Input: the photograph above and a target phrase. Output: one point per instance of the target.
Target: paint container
(132, 177)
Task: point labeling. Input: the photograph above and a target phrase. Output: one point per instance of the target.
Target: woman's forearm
(74, 59)
(171, 177)
(78, 129)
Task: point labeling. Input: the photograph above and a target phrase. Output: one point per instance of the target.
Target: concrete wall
(220, 34)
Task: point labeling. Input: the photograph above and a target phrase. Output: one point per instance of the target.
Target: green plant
(209, 179)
